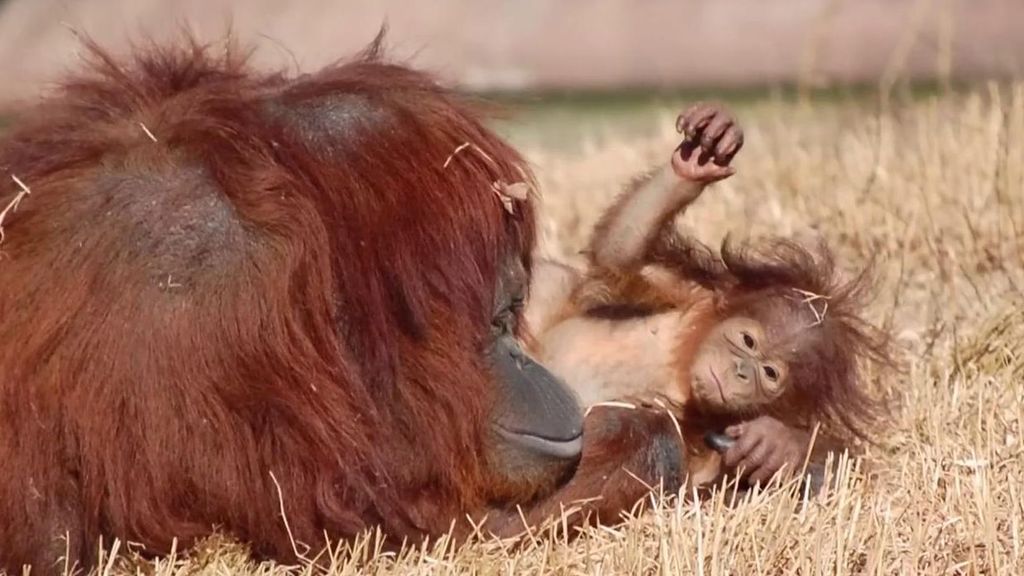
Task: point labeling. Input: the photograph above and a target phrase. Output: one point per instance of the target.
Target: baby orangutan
(761, 342)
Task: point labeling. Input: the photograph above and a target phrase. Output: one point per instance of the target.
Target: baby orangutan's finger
(729, 145)
(718, 126)
(756, 458)
(691, 122)
(705, 157)
(687, 148)
(773, 464)
(740, 449)
(736, 430)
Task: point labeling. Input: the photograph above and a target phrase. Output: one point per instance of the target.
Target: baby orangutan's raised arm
(625, 234)
(760, 343)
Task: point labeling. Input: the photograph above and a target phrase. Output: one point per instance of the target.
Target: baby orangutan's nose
(744, 371)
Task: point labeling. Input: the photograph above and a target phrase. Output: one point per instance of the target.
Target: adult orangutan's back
(227, 293)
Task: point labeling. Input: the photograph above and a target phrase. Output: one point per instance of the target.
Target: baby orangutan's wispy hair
(777, 278)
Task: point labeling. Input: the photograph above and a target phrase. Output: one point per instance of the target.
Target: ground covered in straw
(933, 190)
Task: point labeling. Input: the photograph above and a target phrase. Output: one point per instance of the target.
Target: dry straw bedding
(934, 191)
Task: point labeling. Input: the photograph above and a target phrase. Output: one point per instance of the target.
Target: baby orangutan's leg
(550, 300)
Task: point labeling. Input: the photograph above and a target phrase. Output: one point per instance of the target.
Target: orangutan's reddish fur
(259, 211)
(291, 316)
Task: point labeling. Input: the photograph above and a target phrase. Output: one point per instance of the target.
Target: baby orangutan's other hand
(763, 447)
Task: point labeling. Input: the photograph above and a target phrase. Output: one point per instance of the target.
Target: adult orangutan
(228, 297)
(762, 342)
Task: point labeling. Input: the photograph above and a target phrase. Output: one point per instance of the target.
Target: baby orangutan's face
(734, 369)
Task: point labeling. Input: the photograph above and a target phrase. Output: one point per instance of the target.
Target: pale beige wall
(536, 43)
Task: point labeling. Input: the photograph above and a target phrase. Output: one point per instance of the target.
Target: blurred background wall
(540, 44)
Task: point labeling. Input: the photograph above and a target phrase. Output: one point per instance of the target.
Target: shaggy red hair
(231, 291)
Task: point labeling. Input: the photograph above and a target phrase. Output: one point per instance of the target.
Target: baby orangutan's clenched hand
(763, 447)
(711, 137)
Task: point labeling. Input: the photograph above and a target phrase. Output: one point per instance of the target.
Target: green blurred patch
(564, 120)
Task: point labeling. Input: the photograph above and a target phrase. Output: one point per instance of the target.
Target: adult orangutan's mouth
(554, 447)
(721, 391)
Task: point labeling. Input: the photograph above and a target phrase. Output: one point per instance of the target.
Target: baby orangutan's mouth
(721, 391)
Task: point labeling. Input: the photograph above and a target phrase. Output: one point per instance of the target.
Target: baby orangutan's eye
(771, 380)
(749, 341)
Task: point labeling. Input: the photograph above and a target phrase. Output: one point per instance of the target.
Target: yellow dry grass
(932, 190)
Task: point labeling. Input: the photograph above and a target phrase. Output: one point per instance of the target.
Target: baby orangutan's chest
(605, 360)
